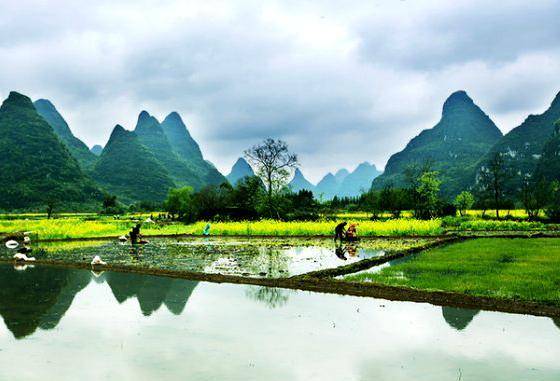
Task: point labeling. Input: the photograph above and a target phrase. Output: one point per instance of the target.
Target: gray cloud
(340, 84)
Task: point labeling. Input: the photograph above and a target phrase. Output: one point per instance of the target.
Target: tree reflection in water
(271, 297)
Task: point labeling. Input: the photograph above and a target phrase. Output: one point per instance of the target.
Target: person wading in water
(339, 231)
(135, 234)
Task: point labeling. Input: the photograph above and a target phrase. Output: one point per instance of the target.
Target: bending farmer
(339, 231)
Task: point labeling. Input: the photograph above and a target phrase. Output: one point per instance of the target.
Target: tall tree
(273, 162)
(492, 180)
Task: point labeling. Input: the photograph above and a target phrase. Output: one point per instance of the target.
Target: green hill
(129, 170)
(35, 166)
(188, 150)
(151, 135)
(454, 146)
(522, 147)
(76, 147)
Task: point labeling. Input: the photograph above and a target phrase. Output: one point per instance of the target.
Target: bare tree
(273, 162)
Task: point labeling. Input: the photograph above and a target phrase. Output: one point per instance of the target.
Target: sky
(340, 82)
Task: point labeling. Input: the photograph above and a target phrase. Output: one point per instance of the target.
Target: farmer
(135, 234)
(351, 233)
(339, 231)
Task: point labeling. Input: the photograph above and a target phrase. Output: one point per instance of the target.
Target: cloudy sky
(341, 82)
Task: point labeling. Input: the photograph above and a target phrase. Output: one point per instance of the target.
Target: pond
(67, 324)
(270, 258)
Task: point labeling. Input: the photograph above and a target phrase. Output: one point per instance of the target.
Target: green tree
(464, 201)
(247, 196)
(179, 203)
(534, 195)
(492, 179)
(552, 209)
(392, 200)
(428, 195)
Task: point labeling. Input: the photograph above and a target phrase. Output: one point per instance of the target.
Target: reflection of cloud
(240, 71)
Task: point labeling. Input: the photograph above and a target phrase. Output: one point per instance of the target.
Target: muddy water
(271, 258)
(73, 325)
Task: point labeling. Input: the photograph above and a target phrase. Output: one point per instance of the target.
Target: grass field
(518, 269)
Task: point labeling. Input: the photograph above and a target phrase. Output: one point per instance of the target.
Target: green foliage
(127, 169)
(519, 269)
(464, 201)
(492, 181)
(180, 203)
(35, 167)
(553, 207)
(534, 196)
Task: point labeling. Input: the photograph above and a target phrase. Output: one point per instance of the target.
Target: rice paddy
(513, 269)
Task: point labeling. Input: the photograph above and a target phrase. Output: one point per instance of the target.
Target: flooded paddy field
(69, 324)
(270, 258)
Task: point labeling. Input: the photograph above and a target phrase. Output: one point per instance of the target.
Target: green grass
(518, 269)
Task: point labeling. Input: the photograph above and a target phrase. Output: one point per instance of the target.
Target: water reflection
(271, 297)
(39, 297)
(458, 318)
(150, 291)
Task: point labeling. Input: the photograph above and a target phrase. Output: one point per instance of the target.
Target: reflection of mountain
(151, 291)
(37, 297)
(458, 318)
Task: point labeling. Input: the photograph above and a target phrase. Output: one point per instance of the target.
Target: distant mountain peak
(459, 99)
(298, 173)
(145, 120)
(299, 182)
(174, 116)
(45, 102)
(118, 129)
(341, 174)
(96, 149)
(239, 170)
(365, 164)
(77, 148)
(359, 180)
(18, 100)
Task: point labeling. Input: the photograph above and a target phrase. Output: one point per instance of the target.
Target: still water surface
(62, 324)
